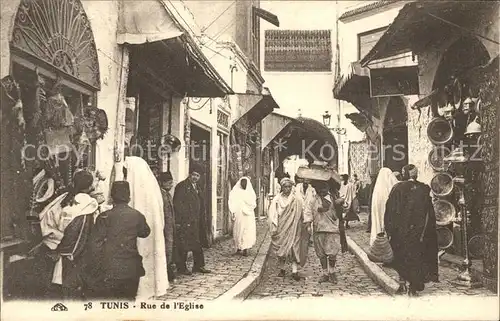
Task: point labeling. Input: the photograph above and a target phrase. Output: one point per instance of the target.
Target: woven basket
(380, 251)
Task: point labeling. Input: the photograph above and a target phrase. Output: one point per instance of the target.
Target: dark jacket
(75, 244)
(189, 216)
(114, 242)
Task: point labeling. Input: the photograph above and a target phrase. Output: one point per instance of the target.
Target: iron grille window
(298, 50)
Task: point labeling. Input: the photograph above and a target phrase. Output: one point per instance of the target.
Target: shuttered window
(298, 51)
(367, 40)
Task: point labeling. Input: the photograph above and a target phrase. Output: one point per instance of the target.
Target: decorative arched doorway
(54, 65)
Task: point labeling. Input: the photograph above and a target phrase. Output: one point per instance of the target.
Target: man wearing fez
(114, 246)
(189, 208)
(166, 183)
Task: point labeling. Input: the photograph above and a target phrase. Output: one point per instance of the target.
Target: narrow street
(352, 281)
(227, 269)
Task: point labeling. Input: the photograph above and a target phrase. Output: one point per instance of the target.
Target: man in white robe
(383, 186)
(242, 203)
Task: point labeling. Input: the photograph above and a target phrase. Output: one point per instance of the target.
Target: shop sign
(396, 81)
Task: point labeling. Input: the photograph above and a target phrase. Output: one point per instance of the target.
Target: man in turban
(189, 208)
(410, 222)
(288, 228)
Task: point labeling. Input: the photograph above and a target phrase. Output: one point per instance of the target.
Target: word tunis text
(186, 306)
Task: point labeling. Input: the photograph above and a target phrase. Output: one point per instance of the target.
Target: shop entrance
(200, 154)
(395, 137)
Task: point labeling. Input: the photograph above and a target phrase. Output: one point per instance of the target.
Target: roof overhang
(421, 23)
(253, 108)
(360, 121)
(354, 87)
(266, 15)
(272, 125)
(164, 53)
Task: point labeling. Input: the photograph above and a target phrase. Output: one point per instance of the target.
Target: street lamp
(326, 121)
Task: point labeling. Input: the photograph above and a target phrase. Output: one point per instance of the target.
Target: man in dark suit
(114, 242)
(189, 222)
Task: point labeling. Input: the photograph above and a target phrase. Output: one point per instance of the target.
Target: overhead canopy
(145, 21)
(354, 87)
(164, 54)
(254, 107)
(421, 23)
(355, 82)
(266, 15)
(272, 125)
(359, 120)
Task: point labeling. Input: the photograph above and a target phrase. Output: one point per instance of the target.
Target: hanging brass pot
(444, 238)
(436, 157)
(445, 212)
(439, 131)
(442, 184)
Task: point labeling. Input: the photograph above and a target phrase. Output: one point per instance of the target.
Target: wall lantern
(326, 121)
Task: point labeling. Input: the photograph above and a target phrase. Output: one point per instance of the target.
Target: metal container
(442, 184)
(439, 131)
(445, 212)
(436, 157)
(444, 238)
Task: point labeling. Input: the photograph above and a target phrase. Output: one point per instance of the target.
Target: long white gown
(242, 203)
(385, 182)
(145, 196)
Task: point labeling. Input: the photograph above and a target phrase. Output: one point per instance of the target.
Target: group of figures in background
(402, 225)
(321, 208)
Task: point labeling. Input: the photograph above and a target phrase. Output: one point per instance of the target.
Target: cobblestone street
(227, 269)
(352, 281)
(446, 274)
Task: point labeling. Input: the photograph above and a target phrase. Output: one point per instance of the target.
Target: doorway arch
(395, 135)
(464, 54)
(56, 36)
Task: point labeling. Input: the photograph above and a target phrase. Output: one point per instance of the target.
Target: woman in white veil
(146, 197)
(242, 203)
(383, 186)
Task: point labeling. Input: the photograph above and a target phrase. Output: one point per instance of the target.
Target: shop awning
(423, 22)
(272, 125)
(164, 53)
(354, 87)
(358, 120)
(355, 81)
(254, 107)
